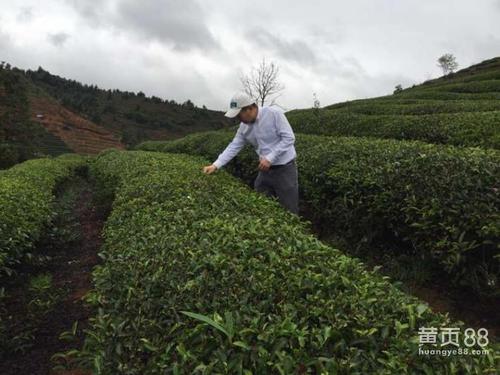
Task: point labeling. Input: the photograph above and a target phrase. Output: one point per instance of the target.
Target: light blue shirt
(271, 136)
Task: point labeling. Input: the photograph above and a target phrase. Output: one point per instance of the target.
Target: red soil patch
(80, 134)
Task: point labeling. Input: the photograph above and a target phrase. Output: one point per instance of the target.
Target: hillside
(461, 108)
(43, 114)
(136, 261)
(389, 180)
(134, 116)
(20, 137)
(79, 134)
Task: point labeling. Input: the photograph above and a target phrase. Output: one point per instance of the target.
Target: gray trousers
(282, 183)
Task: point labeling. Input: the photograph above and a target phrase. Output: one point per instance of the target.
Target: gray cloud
(4, 41)
(293, 50)
(93, 11)
(347, 67)
(58, 39)
(180, 24)
(25, 14)
(489, 45)
(197, 49)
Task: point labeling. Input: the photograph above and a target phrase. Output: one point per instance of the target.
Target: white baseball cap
(238, 101)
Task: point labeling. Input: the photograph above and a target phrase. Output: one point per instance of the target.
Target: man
(270, 133)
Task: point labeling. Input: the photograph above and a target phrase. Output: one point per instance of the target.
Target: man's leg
(286, 185)
(263, 185)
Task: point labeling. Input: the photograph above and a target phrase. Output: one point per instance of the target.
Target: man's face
(247, 114)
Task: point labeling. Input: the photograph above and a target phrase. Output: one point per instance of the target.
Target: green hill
(44, 114)
(133, 115)
(461, 108)
(20, 137)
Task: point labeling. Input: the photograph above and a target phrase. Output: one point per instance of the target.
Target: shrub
(26, 197)
(201, 274)
(434, 202)
(461, 129)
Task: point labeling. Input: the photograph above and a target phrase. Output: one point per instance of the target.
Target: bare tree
(262, 83)
(448, 63)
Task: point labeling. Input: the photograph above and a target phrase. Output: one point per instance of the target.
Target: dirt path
(71, 271)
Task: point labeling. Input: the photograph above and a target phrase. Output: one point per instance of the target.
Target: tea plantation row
(26, 198)
(200, 274)
(396, 106)
(460, 109)
(437, 203)
(462, 129)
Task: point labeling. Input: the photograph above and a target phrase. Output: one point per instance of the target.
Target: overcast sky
(189, 49)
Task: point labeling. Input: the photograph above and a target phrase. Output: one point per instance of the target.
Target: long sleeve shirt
(271, 136)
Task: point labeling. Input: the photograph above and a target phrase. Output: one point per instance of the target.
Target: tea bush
(480, 129)
(26, 197)
(200, 274)
(412, 106)
(435, 202)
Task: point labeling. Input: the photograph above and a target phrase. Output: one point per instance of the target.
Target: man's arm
(231, 150)
(287, 137)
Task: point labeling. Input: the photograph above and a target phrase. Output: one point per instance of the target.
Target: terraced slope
(79, 134)
(459, 109)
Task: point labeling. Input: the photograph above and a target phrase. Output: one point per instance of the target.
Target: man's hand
(264, 164)
(209, 169)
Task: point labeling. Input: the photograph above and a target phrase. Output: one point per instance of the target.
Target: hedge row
(414, 107)
(492, 85)
(491, 73)
(446, 95)
(434, 202)
(461, 129)
(202, 275)
(26, 197)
